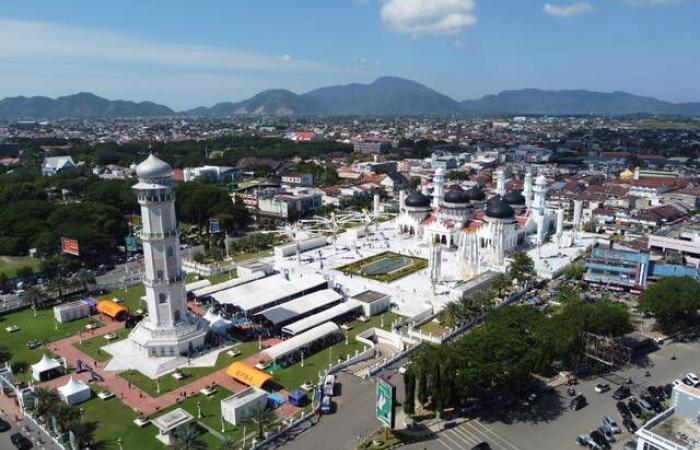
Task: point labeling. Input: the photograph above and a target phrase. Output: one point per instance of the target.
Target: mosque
(483, 231)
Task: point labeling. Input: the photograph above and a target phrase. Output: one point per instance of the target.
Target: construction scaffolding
(606, 350)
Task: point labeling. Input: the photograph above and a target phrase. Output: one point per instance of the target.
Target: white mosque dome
(153, 167)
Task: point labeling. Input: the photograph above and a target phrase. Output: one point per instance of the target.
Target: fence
(206, 270)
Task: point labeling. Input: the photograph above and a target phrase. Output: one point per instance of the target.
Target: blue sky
(186, 53)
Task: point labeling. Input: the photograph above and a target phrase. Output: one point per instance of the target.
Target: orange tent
(111, 309)
(247, 374)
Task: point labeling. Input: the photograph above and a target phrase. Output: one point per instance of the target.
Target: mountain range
(385, 96)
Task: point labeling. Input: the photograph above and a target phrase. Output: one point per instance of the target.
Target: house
(298, 179)
(222, 174)
(53, 165)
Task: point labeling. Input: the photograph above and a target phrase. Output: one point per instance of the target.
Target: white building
(53, 165)
(214, 173)
(676, 428)
(71, 311)
(237, 408)
(169, 329)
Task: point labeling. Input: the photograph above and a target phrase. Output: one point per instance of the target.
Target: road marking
(444, 435)
(467, 436)
(440, 441)
(481, 436)
(496, 435)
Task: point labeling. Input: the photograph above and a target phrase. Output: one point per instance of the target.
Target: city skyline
(186, 56)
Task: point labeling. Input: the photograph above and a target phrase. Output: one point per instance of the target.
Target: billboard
(70, 246)
(131, 246)
(214, 226)
(385, 403)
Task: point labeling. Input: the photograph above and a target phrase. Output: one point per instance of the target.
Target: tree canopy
(674, 301)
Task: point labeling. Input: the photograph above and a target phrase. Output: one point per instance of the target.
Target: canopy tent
(260, 294)
(74, 392)
(247, 374)
(112, 309)
(208, 290)
(299, 341)
(318, 318)
(45, 369)
(297, 398)
(217, 323)
(302, 305)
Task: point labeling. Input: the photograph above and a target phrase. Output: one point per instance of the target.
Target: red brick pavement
(134, 397)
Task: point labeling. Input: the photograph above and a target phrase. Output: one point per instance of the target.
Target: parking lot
(550, 424)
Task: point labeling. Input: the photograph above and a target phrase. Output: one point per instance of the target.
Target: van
(329, 385)
(578, 402)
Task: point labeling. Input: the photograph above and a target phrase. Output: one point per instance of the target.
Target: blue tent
(297, 398)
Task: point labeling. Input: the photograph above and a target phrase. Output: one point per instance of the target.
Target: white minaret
(435, 263)
(501, 182)
(375, 206)
(560, 225)
(438, 187)
(169, 329)
(539, 203)
(527, 188)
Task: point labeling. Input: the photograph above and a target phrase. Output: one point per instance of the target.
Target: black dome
(417, 200)
(499, 209)
(514, 198)
(456, 195)
(476, 194)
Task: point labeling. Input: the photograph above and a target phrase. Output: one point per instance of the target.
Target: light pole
(157, 386)
(120, 444)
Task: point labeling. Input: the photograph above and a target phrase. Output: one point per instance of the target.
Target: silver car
(609, 422)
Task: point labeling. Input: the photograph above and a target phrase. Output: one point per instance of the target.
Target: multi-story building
(677, 428)
(298, 179)
(682, 240)
(214, 173)
(372, 146)
(290, 206)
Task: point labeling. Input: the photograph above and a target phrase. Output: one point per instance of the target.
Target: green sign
(385, 403)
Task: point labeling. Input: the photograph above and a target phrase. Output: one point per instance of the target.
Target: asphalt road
(550, 424)
(354, 416)
(34, 434)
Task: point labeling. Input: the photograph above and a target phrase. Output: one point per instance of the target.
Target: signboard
(70, 246)
(385, 403)
(131, 246)
(214, 227)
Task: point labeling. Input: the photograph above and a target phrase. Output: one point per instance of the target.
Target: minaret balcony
(165, 281)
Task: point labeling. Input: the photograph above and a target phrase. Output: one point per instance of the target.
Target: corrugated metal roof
(293, 344)
(324, 316)
(301, 305)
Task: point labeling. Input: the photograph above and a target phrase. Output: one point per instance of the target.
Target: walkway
(130, 395)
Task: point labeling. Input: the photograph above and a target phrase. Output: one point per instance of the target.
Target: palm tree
(85, 277)
(57, 284)
(46, 400)
(65, 415)
(84, 433)
(501, 284)
(261, 419)
(33, 296)
(228, 444)
(453, 314)
(188, 437)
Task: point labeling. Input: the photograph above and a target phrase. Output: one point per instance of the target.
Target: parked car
(326, 405)
(578, 402)
(20, 441)
(482, 446)
(4, 426)
(610, 423)
(653, 402)
(654, 392)
(329, 385)
(599, 438)
(587, 441)
(607, 432)
(668, 390)
(630, 445)
(686, 381)
(646, 407)
(629, 424)
(602, 387)
(621, 393)
(623, 409)
(694, 378)
(634, 407)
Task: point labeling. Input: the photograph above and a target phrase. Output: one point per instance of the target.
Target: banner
(70, 246)
(131, 246)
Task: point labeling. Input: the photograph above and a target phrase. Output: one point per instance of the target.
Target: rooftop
(368, 296)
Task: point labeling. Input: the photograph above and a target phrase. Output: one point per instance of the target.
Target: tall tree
(34, 297)
(409, 401)
(522, 267)
(262, 418)
(5, 354)
(674, 301)
(501, 283)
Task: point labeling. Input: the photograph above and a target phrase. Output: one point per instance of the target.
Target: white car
(694, 378)
(602, 387)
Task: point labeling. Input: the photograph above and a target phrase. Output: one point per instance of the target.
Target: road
(34, 435)
(354, 416)
(550, 424)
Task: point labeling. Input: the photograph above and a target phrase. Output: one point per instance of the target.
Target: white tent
(46, 366)
(302, 340)
(217, 324)
(74, 392)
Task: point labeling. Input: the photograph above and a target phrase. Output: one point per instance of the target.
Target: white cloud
(285, 58)
(43, 41)
(420, 17)
(653, 2)
(571, 10)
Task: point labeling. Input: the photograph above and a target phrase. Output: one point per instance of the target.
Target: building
(71, 311)
(372, 302)
(681, 240)
(298, 179)
(290, 206)
(53, 165)
(372, 146)
(169, 329)
(237, 408)
(678, 427)
(222, 174)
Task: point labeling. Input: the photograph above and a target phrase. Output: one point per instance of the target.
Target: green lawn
(91, 346)
(131, 298)
(220, 278)
(294, 376)
(41, 328)
(168, 383)
(244, 256)
(432, 327)
(10, 264)
(115, 421)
